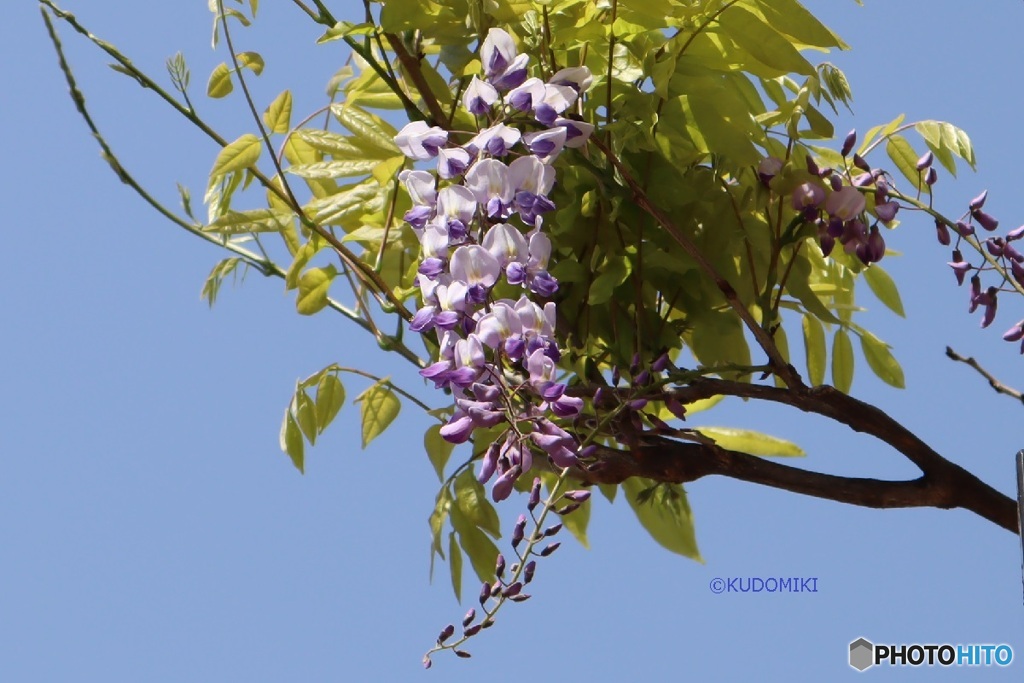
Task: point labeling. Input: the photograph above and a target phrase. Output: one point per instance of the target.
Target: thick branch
(679, 462)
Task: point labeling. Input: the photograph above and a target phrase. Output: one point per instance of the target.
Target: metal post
(1020, 506)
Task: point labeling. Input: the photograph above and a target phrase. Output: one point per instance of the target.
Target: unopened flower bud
(812, 167)
(513, 589)
(487, 623)
(496, 588)
(468, 619)
(860, 163)
(499, 566)
(925, 161)
(518, 531)
(485, 592)
(836, 183)
(1015, 234)
(522, 597)
(578, 496)
(587, 451)
(528, 571)
(1015, 333)
(552, 530)
(979, 201)
(642, 378)
(985, 220)
(637, 404)
(963, 229)
(567, 509)
(550, 548)
(426, 662)
(942, 232)
(990, 307)
(931, 177)
(462, 653)
(472, 631)
(676, 408)
(445, 634)
(534, 494)
(661, 362)
(849, 142)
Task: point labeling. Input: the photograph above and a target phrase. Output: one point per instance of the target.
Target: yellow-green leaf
(481, 549)
(291, 440)
(278, 115)
(842, 361)
(883, 286)
(305, 415)
(472, 501)
(881, 361)
(814, 348)
(240, 154)
(367, 127)
(749, 441)
(905, 158)
(379, 408)
(665, 513)
(330, 396)
(438, 450)
(334, 169)
(220, 84)
(313, 286)
(251, 60)
(455, 565)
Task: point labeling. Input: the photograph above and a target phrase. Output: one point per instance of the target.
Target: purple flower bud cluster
(479, 219)
(510, 581)
(1000, 248)
(836, 202)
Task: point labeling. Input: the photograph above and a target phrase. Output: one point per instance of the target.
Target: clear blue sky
(151, 530)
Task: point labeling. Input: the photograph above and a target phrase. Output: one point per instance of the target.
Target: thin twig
(992, 381)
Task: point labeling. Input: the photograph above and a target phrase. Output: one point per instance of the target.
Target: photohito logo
(865, 654)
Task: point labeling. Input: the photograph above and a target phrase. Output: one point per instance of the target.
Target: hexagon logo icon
(862, 654)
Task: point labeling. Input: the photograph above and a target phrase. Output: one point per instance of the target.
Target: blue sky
(152, 530)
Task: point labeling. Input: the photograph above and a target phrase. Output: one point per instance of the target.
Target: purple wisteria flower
(481, 226)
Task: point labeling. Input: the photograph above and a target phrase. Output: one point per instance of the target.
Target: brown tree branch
(943, 484)
(667, 460)
(993, 382)
(412, 68)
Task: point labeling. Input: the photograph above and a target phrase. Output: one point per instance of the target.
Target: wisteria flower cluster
(1009, 259)
(839, 215)
(840, 211)
(479, 217)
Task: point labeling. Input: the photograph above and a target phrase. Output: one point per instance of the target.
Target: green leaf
(763, 42)
(252, 61)
(330, 396)
(749, 441)
(340, 146)
(814, 347)
(438, 450)
(472, 501)
(220, 84)
(305, 415)
(613, 273)
(278, 115)
(842, 361)
(455, 565)
(347, 204)
(481, 549)
(379, 409)
(665, 513)
(881, 361)
(255, 220)
(368, 128)
(882, 284)
(213, 281)
(905, 158)
(240, 154)
(313, 286)
(334, 169)
(291, 440)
